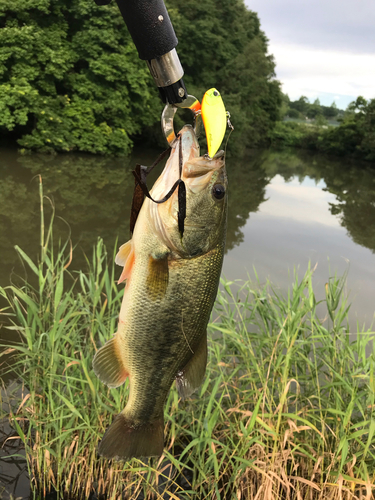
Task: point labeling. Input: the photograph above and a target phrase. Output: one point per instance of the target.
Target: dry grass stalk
(285, 412)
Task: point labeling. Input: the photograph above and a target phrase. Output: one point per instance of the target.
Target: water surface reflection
(300, 202)
(284, 210)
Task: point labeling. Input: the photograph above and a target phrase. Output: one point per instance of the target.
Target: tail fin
(124, 440)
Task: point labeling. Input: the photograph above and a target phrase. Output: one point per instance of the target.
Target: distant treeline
(303, 109)
(354, 137)
(71, 79)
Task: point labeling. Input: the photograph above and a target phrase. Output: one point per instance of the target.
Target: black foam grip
(150, 27)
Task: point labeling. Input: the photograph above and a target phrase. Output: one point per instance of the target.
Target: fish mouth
(203, 165)
(198, 172)
(185, 163)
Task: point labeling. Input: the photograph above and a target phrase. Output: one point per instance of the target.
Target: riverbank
(286, 409)
(346, 140)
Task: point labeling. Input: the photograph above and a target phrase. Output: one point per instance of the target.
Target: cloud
(322, 48)
(305, 71)
(342, 25)
(304, 201)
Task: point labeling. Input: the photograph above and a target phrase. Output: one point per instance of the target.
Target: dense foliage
(71, 79)
(222, 46)
(354, 137)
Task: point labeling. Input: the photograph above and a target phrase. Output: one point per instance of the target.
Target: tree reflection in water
(352, 182)
(92, 196)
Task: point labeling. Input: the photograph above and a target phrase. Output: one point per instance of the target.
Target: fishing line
(229, 123)
(181, 216)
(141, 172)
(138, 193)
(147, 192)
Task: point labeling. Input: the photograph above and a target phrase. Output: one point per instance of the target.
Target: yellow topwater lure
(214, 119)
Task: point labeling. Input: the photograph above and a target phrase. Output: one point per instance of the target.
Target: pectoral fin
(157, 277)
(108, 365)
(123, 253)
(125, 257)
(192, 375)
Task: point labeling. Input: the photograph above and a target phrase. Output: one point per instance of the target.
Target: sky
(323, 48)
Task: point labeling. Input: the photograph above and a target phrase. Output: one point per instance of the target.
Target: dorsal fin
(126, 258)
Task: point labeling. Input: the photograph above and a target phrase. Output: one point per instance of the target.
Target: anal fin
(124, 439)
(192, 375)
(108, 365)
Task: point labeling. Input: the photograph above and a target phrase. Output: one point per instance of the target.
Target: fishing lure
(214, 119)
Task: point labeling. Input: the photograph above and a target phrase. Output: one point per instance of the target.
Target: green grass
(287, 408)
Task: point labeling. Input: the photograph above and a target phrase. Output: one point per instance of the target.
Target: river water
(285, 209)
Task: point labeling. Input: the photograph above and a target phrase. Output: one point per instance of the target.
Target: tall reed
(287, 408)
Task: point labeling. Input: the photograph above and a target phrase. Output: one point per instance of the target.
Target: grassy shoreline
(287, 408)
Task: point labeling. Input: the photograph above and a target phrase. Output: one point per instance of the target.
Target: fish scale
(171, 285)
(191, 297)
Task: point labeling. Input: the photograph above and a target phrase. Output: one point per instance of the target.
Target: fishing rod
(152, 32)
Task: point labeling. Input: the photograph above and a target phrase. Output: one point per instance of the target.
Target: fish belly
(162, 334)
(162, 337)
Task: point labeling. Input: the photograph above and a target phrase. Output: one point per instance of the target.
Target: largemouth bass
(171, 285)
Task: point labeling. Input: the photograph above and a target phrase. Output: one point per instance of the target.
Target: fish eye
(216, 92)
(218, 191)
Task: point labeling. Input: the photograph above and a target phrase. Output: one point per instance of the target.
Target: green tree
(222, 45)
(356, 134)
(284, 109)
(313, 111)
(71, 79)
(69, 75)
(293, 113)
(366, 121)
(320, 120)
(359, 105)
(354, 137)
(330, 111)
